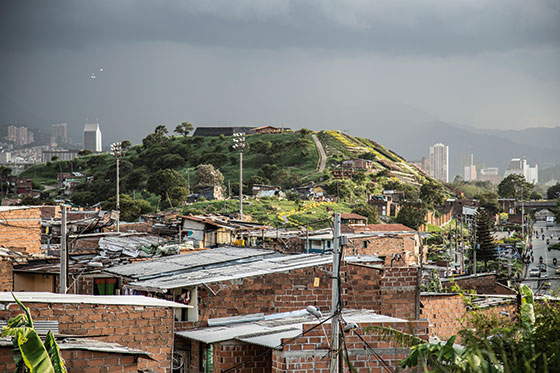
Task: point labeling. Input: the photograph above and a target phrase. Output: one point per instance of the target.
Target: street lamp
(117, 151)
(239, 144)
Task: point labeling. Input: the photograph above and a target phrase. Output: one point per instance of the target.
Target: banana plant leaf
(30, 348)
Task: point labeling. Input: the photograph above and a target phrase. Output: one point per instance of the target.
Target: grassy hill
(288, 159)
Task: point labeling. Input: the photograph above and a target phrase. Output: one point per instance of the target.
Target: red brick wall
(230, 354)
(389, 291)
(444, 311)
(384, 246)
(483, 284)
(81, 361)
(21, 229)
(308, 353)
(149, 329)
(6, 274)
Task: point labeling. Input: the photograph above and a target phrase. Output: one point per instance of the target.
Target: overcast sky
(346, 65)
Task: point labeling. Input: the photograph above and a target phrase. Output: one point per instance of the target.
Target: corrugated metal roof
(187, 262)
(234, 271)
(125, 300)
(270, 331)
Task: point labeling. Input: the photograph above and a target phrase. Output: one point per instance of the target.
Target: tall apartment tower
(59, 134)
(92, 137)
(468, 167)
(20, 135)
(439, 156)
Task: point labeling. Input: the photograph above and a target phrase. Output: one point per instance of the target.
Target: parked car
(534, 272)
(557, 271)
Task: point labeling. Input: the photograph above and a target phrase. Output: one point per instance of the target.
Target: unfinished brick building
(20, 228)
(140, 323)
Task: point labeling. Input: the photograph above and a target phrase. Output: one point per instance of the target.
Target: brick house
(85, 355)
(20, 228)
(289, 342)
(268, 284)
(139, 323)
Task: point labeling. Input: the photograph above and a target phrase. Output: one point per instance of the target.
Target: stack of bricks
(146, 328)
(20, 229)
(309, 353)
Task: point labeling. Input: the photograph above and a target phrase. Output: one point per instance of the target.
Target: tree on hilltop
(184, 129)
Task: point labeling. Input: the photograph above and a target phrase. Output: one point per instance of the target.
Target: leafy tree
(368, 211)
(412, 214)
(489, 201)
(536, 195)
(170, 161)
(207, 175)
(553, 192)
(168, 184)
(515, 186)
(84, 152)
(431, 194)
(5, 173)
(304, 132)
(29, 352)
(125, 145)
(184, 128)
(159, 136)
(485, 247)
(130, 208)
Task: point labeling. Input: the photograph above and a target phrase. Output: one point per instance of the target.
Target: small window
(328, 244)
(365, 244)
(104, 286)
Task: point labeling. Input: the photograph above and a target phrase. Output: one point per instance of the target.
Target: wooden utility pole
(335, 307)
(63, 253)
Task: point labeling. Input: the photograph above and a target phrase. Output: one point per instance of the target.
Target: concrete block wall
(21, 230)
(146, 328)
(82, 361)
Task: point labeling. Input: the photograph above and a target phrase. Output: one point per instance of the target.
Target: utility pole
(474, 246)
(419, 274)
(118, 151)
(239, 143)
(335, 307)
(63, 253)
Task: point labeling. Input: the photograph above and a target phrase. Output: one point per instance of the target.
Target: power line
(280, 345)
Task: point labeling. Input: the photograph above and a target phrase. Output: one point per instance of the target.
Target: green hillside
(161, 171)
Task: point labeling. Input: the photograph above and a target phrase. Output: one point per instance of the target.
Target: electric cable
(235, 367)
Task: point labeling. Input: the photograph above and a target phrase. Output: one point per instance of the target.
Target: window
(104, 286)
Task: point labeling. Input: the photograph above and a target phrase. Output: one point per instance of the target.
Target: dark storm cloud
(438, 27)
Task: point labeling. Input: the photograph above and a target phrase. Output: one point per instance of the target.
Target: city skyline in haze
(355, 66)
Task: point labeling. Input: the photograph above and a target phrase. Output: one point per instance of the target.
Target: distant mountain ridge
(492, 147)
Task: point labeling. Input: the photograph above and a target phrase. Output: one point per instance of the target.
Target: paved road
(540, 249)
(322, 155)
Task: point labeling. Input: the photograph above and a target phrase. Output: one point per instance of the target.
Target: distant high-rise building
(59, 134)
(519, 166)
(20, 135)
(92, 137)
(468, 167)
(439, 156)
